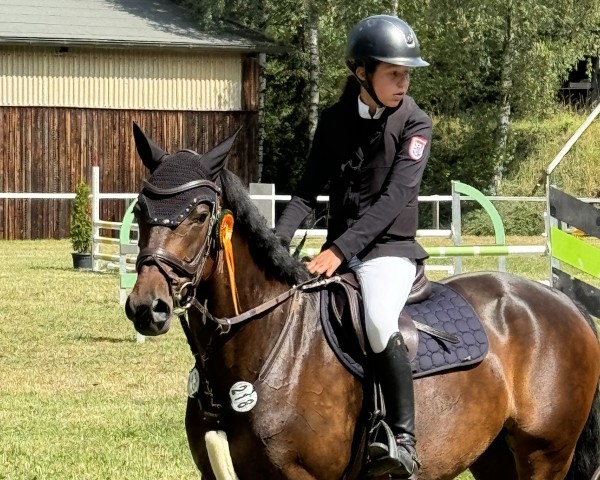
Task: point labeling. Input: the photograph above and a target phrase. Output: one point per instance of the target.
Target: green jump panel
(127, 280)
(128, 220)
(488, 206)
(575, 252)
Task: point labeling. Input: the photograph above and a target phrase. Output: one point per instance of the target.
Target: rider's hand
(326, 262)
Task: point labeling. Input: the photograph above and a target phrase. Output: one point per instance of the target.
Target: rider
(372, 147)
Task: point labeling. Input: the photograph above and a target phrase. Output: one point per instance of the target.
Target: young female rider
(372, 147)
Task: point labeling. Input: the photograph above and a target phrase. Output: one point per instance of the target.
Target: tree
(499, 59)
(492, 61)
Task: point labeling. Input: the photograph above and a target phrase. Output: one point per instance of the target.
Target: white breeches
(385, 283)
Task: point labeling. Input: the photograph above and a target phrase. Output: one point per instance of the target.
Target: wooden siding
(250, 82)
(50, 150)
(129, 79)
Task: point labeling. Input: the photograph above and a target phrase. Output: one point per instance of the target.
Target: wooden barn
(74, 74)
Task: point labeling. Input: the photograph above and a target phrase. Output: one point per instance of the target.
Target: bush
(81, 219)
(523, 219)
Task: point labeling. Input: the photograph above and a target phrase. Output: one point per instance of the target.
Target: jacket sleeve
(402, 184)
(315, 177)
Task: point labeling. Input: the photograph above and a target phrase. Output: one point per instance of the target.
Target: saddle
(345, 302)
(440, 328)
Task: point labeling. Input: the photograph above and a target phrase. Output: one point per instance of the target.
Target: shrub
(523, 219)
(81, 219)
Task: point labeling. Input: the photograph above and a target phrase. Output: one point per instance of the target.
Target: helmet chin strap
(369, 88)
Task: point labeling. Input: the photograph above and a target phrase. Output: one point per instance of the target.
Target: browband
(181, 188)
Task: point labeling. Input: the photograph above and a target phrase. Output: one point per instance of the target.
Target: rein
(253, 312)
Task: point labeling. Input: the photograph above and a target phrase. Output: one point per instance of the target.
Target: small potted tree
(81, 227)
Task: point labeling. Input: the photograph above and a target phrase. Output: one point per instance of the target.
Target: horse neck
(251, 282)
(244, 349)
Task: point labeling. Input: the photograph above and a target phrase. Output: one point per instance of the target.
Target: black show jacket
(374, 170)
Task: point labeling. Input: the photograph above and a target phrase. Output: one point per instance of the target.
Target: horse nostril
(161, 308)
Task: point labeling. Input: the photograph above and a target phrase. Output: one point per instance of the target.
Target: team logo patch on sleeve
(417, 147)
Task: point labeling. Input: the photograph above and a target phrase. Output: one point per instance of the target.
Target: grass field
(79, 399)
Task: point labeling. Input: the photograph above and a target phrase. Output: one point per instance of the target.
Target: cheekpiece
(172, 191)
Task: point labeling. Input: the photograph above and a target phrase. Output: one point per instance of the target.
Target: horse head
(177, 211)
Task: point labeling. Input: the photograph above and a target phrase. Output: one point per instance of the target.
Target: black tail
(587, 452)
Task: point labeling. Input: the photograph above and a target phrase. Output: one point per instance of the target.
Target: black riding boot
(394, 373)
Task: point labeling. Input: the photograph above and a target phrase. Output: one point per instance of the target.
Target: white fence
(265, 198)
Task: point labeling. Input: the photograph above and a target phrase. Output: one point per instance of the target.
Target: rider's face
(390, 83)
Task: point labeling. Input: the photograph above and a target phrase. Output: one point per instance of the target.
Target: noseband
(171, 266)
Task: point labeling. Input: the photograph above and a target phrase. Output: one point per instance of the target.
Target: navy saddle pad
(445, 310)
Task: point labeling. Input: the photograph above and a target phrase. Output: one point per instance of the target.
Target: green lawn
(79, 399)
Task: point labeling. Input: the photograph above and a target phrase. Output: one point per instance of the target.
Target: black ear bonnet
(173, 172)
(179, 182)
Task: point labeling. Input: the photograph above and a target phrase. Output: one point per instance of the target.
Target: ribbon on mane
(225, 233)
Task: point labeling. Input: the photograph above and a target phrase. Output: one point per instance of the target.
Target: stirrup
(405, 466)
(383, 442)
(387, 457)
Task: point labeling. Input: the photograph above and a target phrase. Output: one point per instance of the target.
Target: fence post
(265, 207)
(95, 212)
(436, 215)
(456, 226)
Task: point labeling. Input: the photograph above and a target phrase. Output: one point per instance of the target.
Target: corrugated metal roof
(111, 23)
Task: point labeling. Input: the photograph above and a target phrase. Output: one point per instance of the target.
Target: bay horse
(529, 410)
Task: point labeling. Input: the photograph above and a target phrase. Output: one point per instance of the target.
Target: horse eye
(201, 217)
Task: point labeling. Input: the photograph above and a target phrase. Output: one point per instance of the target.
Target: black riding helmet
(381, 38)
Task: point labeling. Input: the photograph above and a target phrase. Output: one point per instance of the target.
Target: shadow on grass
(88, 338)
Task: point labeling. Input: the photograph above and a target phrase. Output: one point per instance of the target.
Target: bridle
(183, 277)
(172, 267)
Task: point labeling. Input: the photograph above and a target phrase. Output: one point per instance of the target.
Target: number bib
(193, 383)
(243, 396)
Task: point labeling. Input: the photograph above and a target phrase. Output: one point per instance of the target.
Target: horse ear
(150, 153)
(213, 161)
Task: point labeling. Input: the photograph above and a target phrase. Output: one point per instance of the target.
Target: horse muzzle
(150, 315)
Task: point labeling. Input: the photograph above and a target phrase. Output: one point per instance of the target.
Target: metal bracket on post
(456, 226)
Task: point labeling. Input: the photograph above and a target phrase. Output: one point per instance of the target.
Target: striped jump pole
(470, 251)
